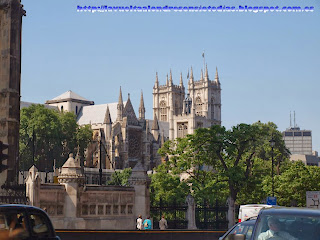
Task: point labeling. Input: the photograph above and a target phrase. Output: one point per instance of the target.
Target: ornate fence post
(33, 186)
(191, 212)
(140, 181)
(72, 179)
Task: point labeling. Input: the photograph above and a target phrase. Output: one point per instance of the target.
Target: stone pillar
(140, 181)
(72, 178)
(33, 182)
(231, 214)
(191, 212)
(11, 13)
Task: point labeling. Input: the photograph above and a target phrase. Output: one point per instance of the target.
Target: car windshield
(241, 228)
(290, 227)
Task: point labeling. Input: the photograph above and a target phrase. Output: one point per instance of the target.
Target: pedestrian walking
(163, 225)
(147, 224)
(139, 222)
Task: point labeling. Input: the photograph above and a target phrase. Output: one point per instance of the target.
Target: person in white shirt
(139, 222)
(274, 232)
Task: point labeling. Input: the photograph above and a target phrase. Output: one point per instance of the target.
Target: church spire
(162, 138)
(142, 110)
(167, 81)
(120, 107)
(170, 82)
(201, 78)
(191, 76)
(107, 117)
(120, 101)
(216, 78)
(181, 82)
(155, 127)
(156, 85)
(206, 76)
(155, 124)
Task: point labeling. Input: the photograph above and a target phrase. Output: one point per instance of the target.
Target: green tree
(254, 190)
(292, 184)
(167, 186)
(47, 135)
(187, 162)
(230, 159)
(120, 178)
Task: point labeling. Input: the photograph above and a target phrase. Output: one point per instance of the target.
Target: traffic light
(3, 156)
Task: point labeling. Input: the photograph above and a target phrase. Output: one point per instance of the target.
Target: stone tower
(167, 98)
(200, 108)
(11, 13)
(206, 96)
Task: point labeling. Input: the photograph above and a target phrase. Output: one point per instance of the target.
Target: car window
(288, 226)
(13, 224)
(39, 225)
(243, 229)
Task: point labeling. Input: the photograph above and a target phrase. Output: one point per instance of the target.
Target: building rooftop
(69, 94)
(95, 114)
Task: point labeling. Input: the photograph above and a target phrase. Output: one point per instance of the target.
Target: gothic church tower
(167, 98)
(200, 108)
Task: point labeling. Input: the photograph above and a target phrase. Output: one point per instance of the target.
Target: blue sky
(268, 63)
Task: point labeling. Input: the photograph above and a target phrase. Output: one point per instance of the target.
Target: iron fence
(207, 217)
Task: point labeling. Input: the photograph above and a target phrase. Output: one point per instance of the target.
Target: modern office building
(298, 141)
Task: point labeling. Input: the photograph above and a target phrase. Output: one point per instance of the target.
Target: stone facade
(11, 13)
(121, 138)
(201, 107)
(71, 204)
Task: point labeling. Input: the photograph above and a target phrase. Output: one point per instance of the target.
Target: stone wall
(73, 205)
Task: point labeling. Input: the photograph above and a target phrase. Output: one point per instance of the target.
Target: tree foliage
(166, 186)
(46, 134)
(292, 184)
(219, 163)
(120, 178)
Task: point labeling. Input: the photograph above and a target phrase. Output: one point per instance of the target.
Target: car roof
(248, 222)
(19, 206)
(291, 211)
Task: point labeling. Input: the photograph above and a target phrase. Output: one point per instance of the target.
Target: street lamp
(100, 163)
(272, 143)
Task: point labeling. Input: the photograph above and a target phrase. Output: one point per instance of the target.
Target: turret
(216, 78)
(156, 85)
(206, 76)
(170, 81)
(155, 128)
(181, 82)
(191, 76)
(108, 122)
(142, 109)
(120, 107)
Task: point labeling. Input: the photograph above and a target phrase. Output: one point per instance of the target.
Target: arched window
(198, 106)
(182, 130)
(163, 111)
